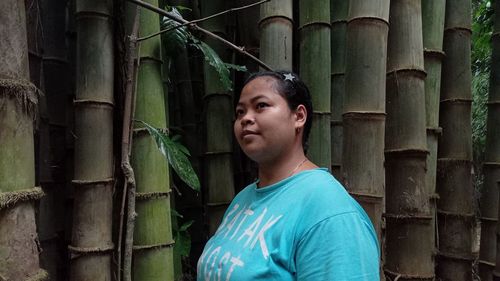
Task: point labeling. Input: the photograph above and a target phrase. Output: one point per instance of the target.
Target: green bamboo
(409, 230)
(491, 166)
(454, 179)
(315, 65)
(248, 35)
(18, 100)
(364, 106)
(339, 10)
(276, 33)
(153, 251)
(433, 12)
(92, 241)
(218, 110)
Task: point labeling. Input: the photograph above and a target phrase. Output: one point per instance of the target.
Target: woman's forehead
(260, 87)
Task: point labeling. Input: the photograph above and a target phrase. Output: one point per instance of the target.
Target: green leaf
(177, 38)
(186, 225)
(175, 155)
(174, 213)
(182, 148)
(236, 67)
(176, 138)
(183, 243)
(216, 62)
(182, 8)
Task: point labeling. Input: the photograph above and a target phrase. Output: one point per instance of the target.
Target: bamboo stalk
(364, 106)
(92, 241)
(49, 208)
(454, 179)
(153, 242)
(276, 33)
(433, 12)
(409, 230)
(219, 115)
(491, 165)
(339, 10)
(18, 100)
(315, 69)
(129, 187)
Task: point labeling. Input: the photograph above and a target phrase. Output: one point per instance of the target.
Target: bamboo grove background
(406, 115)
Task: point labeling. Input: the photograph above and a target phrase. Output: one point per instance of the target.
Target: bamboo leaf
(176, 156)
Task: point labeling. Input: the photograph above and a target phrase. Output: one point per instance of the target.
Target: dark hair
(294, 91)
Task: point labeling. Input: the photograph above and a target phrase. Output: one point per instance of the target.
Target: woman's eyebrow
(257, 97)
(252, 99)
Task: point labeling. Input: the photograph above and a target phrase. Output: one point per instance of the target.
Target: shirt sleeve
(343, 247)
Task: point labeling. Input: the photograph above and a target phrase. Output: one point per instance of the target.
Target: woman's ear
(300, 116)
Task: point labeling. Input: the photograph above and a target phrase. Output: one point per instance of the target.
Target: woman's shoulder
(320, 188)
(322, 196)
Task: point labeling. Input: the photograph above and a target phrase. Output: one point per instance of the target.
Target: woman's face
(265, 125)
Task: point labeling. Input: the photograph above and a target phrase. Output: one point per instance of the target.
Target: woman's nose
(247, 119)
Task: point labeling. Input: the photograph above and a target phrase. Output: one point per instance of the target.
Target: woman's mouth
(247, 133)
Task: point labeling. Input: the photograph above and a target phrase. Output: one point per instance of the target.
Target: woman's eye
(261, 105)
(239, 112)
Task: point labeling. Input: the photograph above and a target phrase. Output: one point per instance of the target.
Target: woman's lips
(247, 133)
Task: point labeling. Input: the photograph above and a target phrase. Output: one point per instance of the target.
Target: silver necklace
(298, 166)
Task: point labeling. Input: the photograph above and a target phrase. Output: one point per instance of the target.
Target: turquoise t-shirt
(305, 227)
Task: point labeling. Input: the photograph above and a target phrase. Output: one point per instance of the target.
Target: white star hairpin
(289, 76)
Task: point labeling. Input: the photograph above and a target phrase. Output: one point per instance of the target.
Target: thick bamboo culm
(315, 69)
(18, 101)
(153, 241)
(338, 16)
(92, 241)
(409, 230)
(218, 108)
(491, 166)
(276, 31)
(455, 212)
(247, 30)
(433, 12)
(364, 106)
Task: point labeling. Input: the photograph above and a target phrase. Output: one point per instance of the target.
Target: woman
(296, 222)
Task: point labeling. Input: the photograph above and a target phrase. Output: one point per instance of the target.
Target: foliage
(176, 155)
(179, 37)
(181, 235)
(479, 112)
(482, 28)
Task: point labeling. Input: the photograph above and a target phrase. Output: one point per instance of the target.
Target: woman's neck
(273, 171)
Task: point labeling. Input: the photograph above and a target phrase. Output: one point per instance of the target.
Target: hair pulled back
(294, 91)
